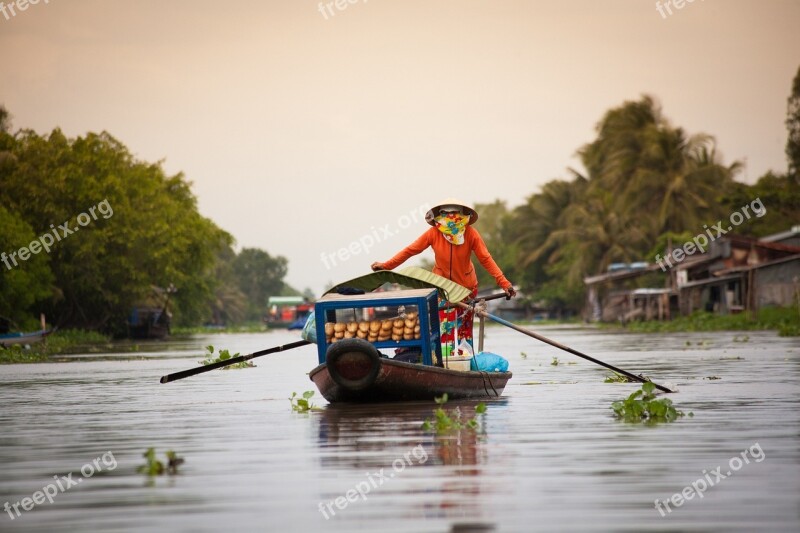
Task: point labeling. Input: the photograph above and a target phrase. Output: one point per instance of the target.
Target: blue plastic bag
(309, 332)
(489, 362)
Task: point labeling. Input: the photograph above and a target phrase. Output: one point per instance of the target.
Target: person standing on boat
(453, 240)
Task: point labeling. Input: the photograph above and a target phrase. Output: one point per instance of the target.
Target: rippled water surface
(549, 456)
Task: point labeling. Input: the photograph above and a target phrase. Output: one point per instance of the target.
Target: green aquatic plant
(60, 342)
(617, 378)
(643, 407)
(301, 404)
(789, 330)
(17, 353)
(554, 362)
(444, 422)
(154, 467)
(224, 355)
(523, 355)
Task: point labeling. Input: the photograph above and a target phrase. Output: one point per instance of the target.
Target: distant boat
(299, 323)
(287, 312)
(8, 339)
(149, 323)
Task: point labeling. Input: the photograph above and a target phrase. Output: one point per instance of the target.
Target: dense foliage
(646, 183)
(144, 231)
(793, 127)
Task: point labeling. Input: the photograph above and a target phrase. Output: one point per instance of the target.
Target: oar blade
(232, 361)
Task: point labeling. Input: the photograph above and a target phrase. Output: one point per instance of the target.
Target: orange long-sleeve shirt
(453, 262)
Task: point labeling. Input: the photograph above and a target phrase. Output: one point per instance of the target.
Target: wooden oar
(232, 361)
(560, 346)
(491, 297)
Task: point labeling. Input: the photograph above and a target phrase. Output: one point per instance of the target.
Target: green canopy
(413, 277)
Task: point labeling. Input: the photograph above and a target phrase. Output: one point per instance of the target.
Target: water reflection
(360, 435)
(355, 437)
(549, 455)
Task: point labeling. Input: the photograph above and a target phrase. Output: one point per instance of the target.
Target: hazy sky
(306, 130)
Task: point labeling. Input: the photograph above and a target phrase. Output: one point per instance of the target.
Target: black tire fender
(348, 346)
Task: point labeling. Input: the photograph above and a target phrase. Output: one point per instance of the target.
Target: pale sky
(306, 130)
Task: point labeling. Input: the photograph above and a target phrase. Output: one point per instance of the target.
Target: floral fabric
(455, 320)
(452, 226)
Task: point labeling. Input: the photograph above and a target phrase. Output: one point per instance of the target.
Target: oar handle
(232, 361)
(490, 297)
(565, 348)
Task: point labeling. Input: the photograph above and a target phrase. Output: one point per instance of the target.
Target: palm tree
(594, 236)
(542, 215)
(660, 178)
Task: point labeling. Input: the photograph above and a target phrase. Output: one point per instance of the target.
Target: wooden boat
(358, 376)
(353, 369)
(9, 339)
(287, 312)
(151, 319)
(149, 323)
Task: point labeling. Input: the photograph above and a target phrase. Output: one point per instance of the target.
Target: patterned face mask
(452, 226)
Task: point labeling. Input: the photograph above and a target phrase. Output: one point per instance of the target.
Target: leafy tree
(534, 228)
(492, 226)
(644, 165)
(259, 276)
(7, 141)
(779, 195)
(26, 283)
(645, 178)
(149, 233)
(793, 127)
(5, 120)
(228, 304)
(308, 294)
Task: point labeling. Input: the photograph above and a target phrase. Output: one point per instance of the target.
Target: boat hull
(396, 381)
(23, 338)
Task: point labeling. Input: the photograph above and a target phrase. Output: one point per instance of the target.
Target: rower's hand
(510, 292)
(377, 266)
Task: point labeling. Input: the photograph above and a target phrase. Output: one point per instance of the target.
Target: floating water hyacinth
(643, 407)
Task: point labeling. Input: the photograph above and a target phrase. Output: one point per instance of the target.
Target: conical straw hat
(468, 210)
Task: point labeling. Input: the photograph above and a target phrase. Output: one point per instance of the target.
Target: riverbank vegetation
(89, 231)
(646, 181)
(62, 342)
(786, 320)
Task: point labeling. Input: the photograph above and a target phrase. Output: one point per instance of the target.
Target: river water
(549, 456)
